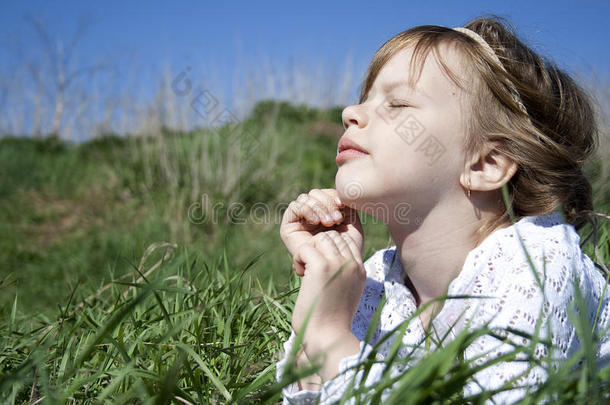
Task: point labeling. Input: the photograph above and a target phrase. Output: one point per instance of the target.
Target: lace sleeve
(332, 390)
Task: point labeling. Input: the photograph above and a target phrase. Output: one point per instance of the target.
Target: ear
(488, 170)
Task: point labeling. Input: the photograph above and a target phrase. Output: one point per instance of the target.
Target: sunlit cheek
(390, 116)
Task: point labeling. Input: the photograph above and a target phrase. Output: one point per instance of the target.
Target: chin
(351, 190)
(365, 197)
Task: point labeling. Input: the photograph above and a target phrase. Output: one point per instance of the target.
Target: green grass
(96, 308)
(180, 329)
(76, 213)
(201, 331)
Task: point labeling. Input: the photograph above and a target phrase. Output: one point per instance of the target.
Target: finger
(311, 257)
(294, 267)
(353, 247)
(326, 244)
(312, 210)
(293, 213)
(331, 192)
(306, 210)
(300, 213)
(319, 202)
(328, 204)
(340, 243)
(298, 262)
(299, 267)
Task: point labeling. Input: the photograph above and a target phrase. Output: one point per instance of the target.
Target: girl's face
(413, 138)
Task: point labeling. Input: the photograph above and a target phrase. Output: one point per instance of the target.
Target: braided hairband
(490, 52)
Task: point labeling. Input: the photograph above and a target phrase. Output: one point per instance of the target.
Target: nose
(354, 114)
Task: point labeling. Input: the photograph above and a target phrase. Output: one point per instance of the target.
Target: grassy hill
(76, 214)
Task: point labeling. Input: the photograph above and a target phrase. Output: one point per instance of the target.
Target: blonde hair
(550, 138)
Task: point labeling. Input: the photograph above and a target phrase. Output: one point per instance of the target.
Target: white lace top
(497, 269)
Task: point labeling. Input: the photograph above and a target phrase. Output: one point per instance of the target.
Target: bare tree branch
(56, 75)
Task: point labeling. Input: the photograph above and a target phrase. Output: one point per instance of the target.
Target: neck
(433, 251)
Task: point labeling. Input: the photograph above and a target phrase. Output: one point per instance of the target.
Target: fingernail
(336, 215)
(327, 217)
(338, 200)
(315, 217)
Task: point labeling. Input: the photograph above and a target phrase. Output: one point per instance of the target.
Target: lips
(346, 143)
(349, 149)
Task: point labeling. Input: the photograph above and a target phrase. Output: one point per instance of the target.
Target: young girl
(447, 118)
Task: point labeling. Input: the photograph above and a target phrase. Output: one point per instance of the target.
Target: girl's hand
(332, 284)
(311, 214)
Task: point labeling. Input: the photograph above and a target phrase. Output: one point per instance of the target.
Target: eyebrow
(398, 83)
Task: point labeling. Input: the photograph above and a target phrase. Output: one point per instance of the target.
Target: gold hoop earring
(469, 187)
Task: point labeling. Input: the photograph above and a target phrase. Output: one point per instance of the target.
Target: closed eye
(396, 103)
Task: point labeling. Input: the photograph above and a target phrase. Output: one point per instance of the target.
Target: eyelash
(398, 103)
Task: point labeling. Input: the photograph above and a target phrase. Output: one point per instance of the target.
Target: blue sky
(575, 32)
(239, 33)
